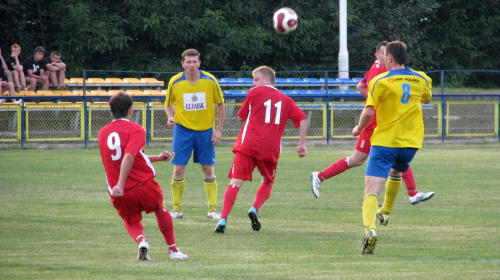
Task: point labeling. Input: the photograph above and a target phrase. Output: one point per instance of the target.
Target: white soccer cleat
(315, 184)
(213, 215)
(177, 255)
(420, 197)
(143, 254)
(175, 214)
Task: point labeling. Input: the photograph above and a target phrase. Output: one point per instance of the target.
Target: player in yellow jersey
(396, 97)
(194, 93)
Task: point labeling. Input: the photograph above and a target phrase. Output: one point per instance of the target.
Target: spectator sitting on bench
(15, 71)
(6, 85)
(34, 69)
(56, 70)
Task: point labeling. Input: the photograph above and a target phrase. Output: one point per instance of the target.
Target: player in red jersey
(265, 112)
(363, 144)
(130, 176)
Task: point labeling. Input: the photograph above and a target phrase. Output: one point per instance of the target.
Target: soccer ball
(285, 20)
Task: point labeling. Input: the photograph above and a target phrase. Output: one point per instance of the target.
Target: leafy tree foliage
(238, 35)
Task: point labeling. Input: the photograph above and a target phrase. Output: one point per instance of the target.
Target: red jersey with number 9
(266, 111)
(122, 137)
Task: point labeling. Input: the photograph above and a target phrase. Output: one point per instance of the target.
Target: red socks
(336, 168)
(136, 230)
(263, 194)
(166, 227)
(229, 199)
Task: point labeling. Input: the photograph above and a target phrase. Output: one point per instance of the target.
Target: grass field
(56, 221)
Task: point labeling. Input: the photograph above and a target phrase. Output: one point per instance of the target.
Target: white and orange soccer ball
(285, 20)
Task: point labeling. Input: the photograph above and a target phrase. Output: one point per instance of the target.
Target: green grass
(56, 221)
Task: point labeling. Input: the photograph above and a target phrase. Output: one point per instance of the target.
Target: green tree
(238, 35)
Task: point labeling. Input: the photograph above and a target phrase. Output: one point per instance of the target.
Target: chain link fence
(451, 117)
(54, 122)
(10, 118)
(99, 116)
(471, 118)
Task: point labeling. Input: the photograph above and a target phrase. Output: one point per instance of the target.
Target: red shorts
(364, 144)
(147, 197)
(243, 167)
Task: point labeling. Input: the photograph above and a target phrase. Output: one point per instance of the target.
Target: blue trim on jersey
(202, 76)
(405, 71)
(206, 77)
(180, 79)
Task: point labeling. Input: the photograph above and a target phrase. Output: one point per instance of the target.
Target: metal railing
(331, 115)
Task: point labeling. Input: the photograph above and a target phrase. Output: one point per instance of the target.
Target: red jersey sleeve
(296, 114)
(137, 140)
(244, 110)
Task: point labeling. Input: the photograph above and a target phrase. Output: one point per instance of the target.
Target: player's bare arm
(221, 114)
(364, 119)
(301, 149)
(169, 110)
(363, 89)
(164, 156)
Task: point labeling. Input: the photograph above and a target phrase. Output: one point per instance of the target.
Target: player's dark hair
(381, 44)
(398, 51)
(266, 71)
(119, 105)
(39, 49)
(190, 52)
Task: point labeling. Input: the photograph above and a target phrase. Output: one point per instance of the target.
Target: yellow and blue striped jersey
(194, 103)
(396, 95)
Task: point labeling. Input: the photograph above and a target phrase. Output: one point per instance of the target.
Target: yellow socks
(391, 193)
(177, 187)
(211, 189)
(370, 207)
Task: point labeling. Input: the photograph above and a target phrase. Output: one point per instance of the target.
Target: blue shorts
(187, 141)
(382, 159)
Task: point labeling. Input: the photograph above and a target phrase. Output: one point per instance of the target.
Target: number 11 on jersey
(277, 119)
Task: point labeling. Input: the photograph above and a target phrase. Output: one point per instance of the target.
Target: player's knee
(208, 171)
(178, 174)
(394, 172)
(355, 162)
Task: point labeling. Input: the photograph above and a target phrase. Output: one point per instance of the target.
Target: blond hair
(266, 71)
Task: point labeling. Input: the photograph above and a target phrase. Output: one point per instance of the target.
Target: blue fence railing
(320, 88)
